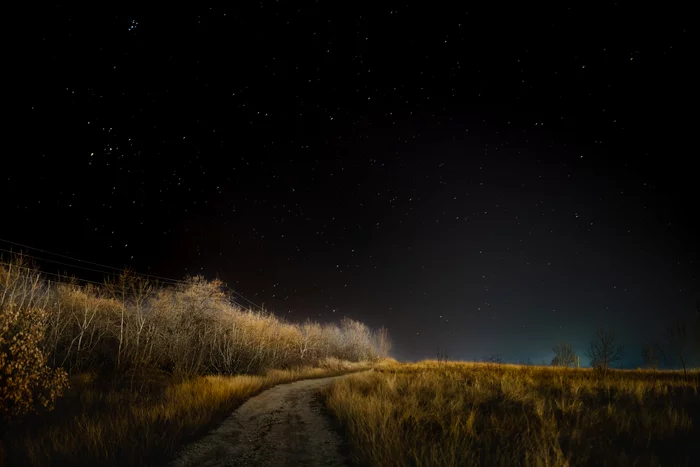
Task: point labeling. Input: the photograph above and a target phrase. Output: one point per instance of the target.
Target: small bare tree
(604, 352)
(676, 336)
(564, 355)
(383, 342)
(309, 340)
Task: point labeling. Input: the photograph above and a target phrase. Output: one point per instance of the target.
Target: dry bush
(448, 413)
(604, 352)
(79, 328)
(564, 355)
(383, 344)
(357, 341)
(27, 382)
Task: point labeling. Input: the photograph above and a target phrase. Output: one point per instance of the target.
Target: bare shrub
(77, 326)
(383, 344)
(356, 341)
(564, 355)
(188, 315)
(604, 352)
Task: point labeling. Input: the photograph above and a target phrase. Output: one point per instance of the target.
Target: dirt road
(283, 426)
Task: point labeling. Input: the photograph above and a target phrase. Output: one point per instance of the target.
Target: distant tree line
(605, 353)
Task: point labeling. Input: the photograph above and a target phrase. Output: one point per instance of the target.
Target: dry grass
(435, 413)
(98, 424)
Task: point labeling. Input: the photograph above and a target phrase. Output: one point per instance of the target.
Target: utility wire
(164, 279)
(241, 296)
(86, 262)
(174, 281)
(66, 278)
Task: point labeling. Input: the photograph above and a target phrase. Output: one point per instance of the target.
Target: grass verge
(143, 423)
(436, 413)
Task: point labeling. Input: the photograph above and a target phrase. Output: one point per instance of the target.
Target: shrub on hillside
(27, 382)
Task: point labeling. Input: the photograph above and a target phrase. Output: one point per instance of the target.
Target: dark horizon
(476, 181)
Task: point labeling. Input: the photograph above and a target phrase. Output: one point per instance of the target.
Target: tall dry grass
(447, 413)
(97, 425)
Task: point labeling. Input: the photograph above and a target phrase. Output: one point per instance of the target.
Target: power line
(76, 266)
(249, 301)
(67, 279)
(52, 274)
(166, 279)
(58, 254)
(86, 262)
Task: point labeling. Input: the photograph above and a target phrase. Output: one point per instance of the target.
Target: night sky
(483, 182)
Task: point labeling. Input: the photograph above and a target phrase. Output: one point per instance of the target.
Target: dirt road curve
(283, 426)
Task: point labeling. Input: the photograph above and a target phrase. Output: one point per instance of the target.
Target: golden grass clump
(449, 413)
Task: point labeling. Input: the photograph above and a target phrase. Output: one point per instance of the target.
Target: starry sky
(478, 181)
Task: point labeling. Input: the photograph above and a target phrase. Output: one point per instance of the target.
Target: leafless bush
(383, 344)
(356, 341)
(604, 352)
(78, 327)
(564, 355)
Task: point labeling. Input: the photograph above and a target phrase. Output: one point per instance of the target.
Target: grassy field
(436, 413)
(141, 423)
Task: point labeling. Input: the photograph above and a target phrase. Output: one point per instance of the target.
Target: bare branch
(604, 352)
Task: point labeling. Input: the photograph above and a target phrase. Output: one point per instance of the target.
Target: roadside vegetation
(126, 372)
(449, 413)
